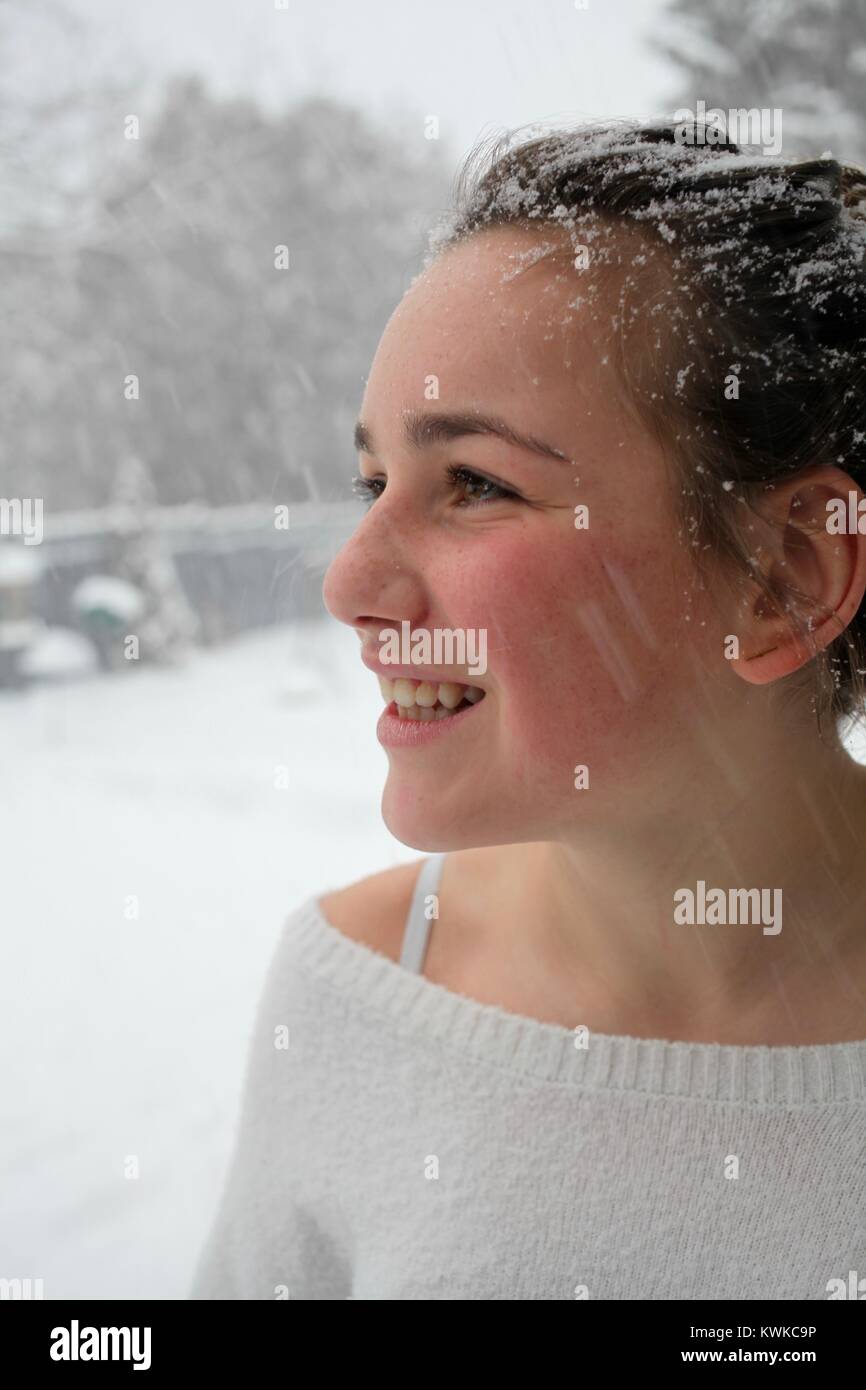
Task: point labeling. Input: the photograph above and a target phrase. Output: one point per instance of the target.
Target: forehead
(503, 320)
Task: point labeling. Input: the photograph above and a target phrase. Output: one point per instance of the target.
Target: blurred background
(179, 394)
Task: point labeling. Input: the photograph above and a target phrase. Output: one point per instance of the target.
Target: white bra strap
(416, 932)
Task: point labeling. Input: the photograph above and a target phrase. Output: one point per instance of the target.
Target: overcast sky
(475, 64)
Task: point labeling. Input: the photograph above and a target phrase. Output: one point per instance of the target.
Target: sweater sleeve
(278, 1231)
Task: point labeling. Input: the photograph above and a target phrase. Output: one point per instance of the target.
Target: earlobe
(791, 652)
(780, 649)
(770, 665)
(766, 666)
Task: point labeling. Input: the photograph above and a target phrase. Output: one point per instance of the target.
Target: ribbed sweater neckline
(725, 1072)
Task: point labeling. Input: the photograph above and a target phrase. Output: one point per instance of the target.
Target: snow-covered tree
(805, 57)
(248, 372)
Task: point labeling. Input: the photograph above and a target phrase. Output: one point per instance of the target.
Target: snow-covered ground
(126, 1036)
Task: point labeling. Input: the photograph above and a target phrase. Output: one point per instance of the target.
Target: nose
(376, 578)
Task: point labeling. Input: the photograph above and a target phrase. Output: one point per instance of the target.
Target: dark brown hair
(750, 270)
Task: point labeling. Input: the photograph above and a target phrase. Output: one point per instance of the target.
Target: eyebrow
(424, 429)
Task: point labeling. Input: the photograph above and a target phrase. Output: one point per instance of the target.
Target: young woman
(608, 1039)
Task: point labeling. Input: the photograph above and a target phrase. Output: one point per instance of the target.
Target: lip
(394, 732)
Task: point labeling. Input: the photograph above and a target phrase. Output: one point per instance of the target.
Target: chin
(421, 831)
(434, 828)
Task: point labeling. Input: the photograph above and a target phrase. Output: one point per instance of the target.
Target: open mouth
(426, 701)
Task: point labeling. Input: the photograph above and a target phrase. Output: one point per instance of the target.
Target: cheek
(584, 655)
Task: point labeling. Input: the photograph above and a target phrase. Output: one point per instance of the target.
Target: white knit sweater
(411, 1143)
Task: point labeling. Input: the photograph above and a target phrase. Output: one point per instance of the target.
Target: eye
(367, 489)
(484, 489)
(489, 491)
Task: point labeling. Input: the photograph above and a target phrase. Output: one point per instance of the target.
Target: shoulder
(373, 911)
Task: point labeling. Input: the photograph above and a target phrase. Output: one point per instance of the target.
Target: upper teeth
(409, 693)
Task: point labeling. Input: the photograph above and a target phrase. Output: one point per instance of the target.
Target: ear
(807, 538)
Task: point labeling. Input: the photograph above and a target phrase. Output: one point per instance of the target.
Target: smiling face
(598, 640)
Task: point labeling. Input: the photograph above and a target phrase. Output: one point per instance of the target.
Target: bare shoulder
(373, 911)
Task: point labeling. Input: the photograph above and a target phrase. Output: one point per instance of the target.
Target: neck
(608, 915)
